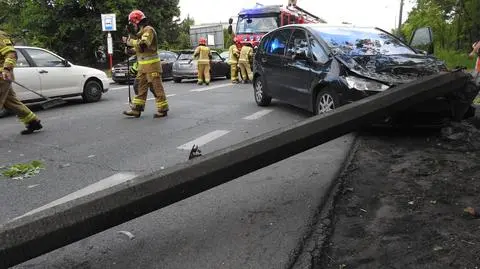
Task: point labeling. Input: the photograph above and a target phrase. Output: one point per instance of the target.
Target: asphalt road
(257, 221)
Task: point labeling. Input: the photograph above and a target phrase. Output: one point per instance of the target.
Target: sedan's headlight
(113, 69)
(365, 84)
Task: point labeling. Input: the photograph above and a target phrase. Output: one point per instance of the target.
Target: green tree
(72, 28)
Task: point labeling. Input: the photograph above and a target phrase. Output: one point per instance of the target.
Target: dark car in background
(319, 67)
(185, 67)
(119, 71)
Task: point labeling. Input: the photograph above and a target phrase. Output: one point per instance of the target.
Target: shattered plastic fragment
(129, 234)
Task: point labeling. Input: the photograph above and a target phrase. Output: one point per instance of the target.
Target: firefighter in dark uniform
(149, 66)
(8, 99)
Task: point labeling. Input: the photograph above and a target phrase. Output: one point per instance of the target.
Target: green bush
(454, 58)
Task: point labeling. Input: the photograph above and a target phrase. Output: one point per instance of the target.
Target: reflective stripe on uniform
(28, 118)
(138, 102)
(162, 104)
(10, 61)
(148, 59)
(7, 49)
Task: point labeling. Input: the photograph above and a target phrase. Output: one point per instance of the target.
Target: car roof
(191, 51)
(327, 25)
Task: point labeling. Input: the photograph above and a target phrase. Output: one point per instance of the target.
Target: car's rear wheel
(92, 91)
(326, 101)
(177, 80)
(261, 98)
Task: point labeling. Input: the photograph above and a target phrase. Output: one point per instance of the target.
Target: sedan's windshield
(256, 25)
(185, 56)
(362, 41)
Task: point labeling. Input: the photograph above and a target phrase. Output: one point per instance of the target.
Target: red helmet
(202, 41)
(136, 16)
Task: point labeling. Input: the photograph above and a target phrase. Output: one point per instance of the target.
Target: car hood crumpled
(392, 69)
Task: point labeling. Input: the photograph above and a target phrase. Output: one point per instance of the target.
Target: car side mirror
(422, 40)
(66, 63)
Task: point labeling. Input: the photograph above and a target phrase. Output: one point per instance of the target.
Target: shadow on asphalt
(74, 101)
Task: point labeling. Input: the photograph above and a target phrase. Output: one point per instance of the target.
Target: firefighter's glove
(7, 75)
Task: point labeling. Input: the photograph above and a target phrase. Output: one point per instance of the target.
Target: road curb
(312, 243)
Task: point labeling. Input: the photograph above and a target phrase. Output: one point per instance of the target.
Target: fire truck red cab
(254, 23)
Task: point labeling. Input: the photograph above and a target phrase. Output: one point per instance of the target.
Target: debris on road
(128, 234)
(23, 170)
(414, 190)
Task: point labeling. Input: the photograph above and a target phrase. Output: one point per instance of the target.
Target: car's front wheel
(261, 98)
(326, 101)
(92, 91)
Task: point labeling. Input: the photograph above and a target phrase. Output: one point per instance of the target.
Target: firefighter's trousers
(9, 100)
(135, 88)
(234, 71)
(203, 73)
(154, 81)
(246, 71)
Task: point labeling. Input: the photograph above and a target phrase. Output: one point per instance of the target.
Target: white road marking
(258, 115)
(211, 87)
(204, 139)
(153, 98)
(96, 187)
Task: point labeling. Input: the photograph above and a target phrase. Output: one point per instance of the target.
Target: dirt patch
(402, 203)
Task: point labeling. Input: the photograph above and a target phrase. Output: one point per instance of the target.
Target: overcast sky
(380, 13)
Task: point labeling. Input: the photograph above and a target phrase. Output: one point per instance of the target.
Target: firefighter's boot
(160, 114)
(31, 127)
(132, 113)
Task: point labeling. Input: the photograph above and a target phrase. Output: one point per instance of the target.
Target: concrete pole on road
(400, 17)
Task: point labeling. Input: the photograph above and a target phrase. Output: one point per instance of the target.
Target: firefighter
(149, 66)
(233, 60)
(246, 55)
(203, 55)
(8, 99)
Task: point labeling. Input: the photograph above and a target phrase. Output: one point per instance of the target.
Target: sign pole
(110, 49)
(109, 23)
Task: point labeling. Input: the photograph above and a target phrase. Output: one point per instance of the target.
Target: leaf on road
(23, 170)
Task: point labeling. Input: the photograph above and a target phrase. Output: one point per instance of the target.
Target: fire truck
(254, 23)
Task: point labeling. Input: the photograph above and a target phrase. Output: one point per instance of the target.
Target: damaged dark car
(319, 67)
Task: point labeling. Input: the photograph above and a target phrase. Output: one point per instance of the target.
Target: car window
(264, 44)
(163, 56)
(172, 56)
(185, 56)
(21, 61)
(278, 42)
(361, 41)
(44, 59)
(216, 57)
(298, 43)
(317, 52)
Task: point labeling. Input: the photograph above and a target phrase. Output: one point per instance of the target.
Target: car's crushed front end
(368, 75)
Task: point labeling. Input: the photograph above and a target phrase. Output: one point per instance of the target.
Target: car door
(27, 75)
(272, 62)
(170, 59)
(57, 77)
(215, 65)
(297, 73)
